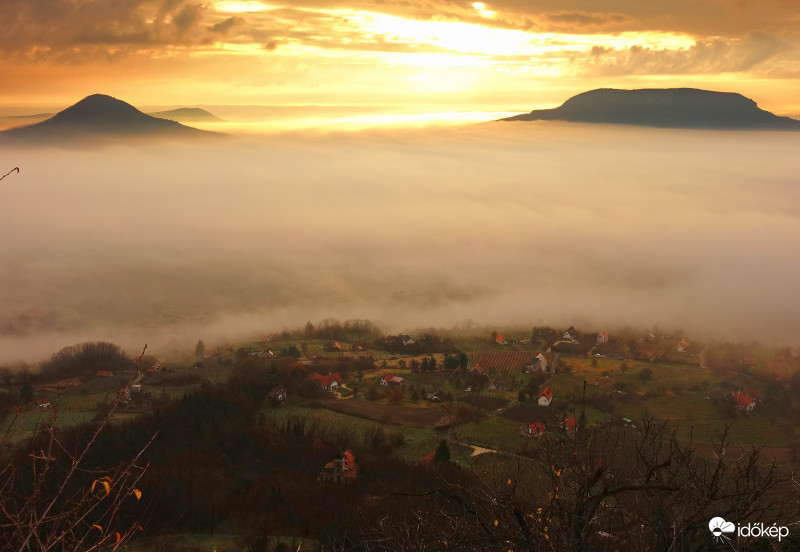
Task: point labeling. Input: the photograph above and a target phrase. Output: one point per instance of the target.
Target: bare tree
(613, 487)
(55, 499)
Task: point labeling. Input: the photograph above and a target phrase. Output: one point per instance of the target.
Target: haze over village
(471, 275)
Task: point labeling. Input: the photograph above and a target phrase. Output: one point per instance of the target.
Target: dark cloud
(39, 29)
(223, 27)
(708, 56)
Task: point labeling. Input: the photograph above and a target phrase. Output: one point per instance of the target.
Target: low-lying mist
(500, 223)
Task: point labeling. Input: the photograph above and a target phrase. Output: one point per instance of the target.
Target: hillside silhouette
(101, 116)
(670, 108)
(188, 115)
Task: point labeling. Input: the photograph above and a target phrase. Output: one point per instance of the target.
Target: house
(537, 363)
(495, 385)
(572, 334)
(392, 381)
(428, 459)
(337, 346)
(341, 470)
(436, 396)
(570, 424)
(544, 398)
(478, 369)
(266, 352)
(683, 344)
(536, 429)
(42, 403)
(743, 401)
(407, 341)
(155, 368)
(501, 340)
(602, 337)
(329, 382)
(104, 374)
(278, 393)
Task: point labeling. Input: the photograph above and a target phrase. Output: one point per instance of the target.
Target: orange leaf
(95, 525)
(107, 486)
(137, 493)
(119, 537)
(140, 528)
(93, 485)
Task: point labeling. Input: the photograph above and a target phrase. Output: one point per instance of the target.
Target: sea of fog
(498, 223)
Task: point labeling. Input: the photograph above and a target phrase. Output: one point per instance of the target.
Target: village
(485, 393)
(337, 403)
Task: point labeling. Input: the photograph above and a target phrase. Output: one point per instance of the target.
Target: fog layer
(501, 223)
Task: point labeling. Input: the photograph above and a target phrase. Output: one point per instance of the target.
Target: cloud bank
(499, 223)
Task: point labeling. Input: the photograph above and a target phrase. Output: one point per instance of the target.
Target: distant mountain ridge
(663, 107)
(187, 114)
(100, 115)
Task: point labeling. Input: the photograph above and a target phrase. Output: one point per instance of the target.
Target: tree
(200, 350)
(442, 452)
(645, 374)
(641, 489)
(55, 493)
(26, 391)
(426, 366)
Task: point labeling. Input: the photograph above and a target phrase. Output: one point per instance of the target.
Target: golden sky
(440, 55)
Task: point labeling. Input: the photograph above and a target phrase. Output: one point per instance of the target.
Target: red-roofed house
(602, 337)
(570, 424)
(683, 344)
(42, 403)
(501, 340)
(743, 401)
(479, 369)
(536, 429)
(341, 470)
(544, 398)
(329, 382)
(428, 459)
(337, 345)
(394, 381)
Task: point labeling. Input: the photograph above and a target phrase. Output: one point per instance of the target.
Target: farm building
(501, 340)
(683, 344)
(341, 470)
(602, 337)
(544, 398)
(42, 403)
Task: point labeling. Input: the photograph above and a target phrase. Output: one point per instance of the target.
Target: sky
(419, 55)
